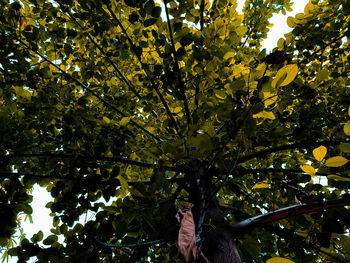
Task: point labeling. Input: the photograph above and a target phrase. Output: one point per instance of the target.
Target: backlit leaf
(279, 260)
(319, 153)
(309, 169)
(285, 75)
(336, 161)
(124, 121)
(259, 186)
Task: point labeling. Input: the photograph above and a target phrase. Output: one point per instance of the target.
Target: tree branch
(287, 212)
(154, 85)
(274, 170)
(123, 78)
(202, 14)
(108, 104)
(302, 145)
(92, 158)
(7, 174)
(182, 87)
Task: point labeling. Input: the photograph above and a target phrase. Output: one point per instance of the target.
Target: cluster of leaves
(107, 101)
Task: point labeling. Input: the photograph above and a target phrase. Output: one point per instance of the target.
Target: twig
(123, 78)
(108, 104)
(154, 85)
(182, 88)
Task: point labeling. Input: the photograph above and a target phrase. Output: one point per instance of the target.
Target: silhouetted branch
(287, 213)
(108, 104)
(181, 84)
(122, 76)
(92, 158)
(301, 145)
(154, 85)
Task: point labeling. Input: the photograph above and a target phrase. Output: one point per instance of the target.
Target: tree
(136, 119)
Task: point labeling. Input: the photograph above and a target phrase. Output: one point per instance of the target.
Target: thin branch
(202, 14)
(287, 213)
(123, 78)
(130, 245)
(91, 158)
(6, 174)
(273, 170)
(154, 85)
(319, 49)
(115, 182)
(182, 87)
(108, 104)
(302, 145)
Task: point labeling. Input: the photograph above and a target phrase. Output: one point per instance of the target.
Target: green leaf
(319, 153)
(336, 161)
(322, 75)
(338, 178)
(124, 121)
(50, 240)
(345, 147)
(149, 22)
(156, 11)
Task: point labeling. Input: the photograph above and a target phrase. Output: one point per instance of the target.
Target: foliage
(108, 101)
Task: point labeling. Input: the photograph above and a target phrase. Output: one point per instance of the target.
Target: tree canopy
(138, 118)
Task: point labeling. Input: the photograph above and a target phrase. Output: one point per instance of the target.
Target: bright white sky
(41, 219)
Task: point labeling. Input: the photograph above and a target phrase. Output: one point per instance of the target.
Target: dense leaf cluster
(126, 111)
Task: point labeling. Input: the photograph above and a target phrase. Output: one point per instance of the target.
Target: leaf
(187, 235)
(285, 75)
(260, 186)
(50, 240)
(338, 178)
(322, 75)
(309, 170)
(106, 120)
(345, 147)
(124, 121)
(319, 153)
(336, 161)
(279, 260)
(347, 128)
(265, 114)
(23, 22)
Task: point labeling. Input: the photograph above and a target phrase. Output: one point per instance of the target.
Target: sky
(41, 219)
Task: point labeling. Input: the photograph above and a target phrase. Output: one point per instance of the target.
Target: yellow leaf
(347, 128)
(319, 153)
(259, 186)
(124, 121)
(229, 54)
(336, 161)
(265, 114)
(349, 111)
(106, 120)
(23, 22)
(279, 260)
(309, 170)
(269, 98)
(285, 75)
(338, 178)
